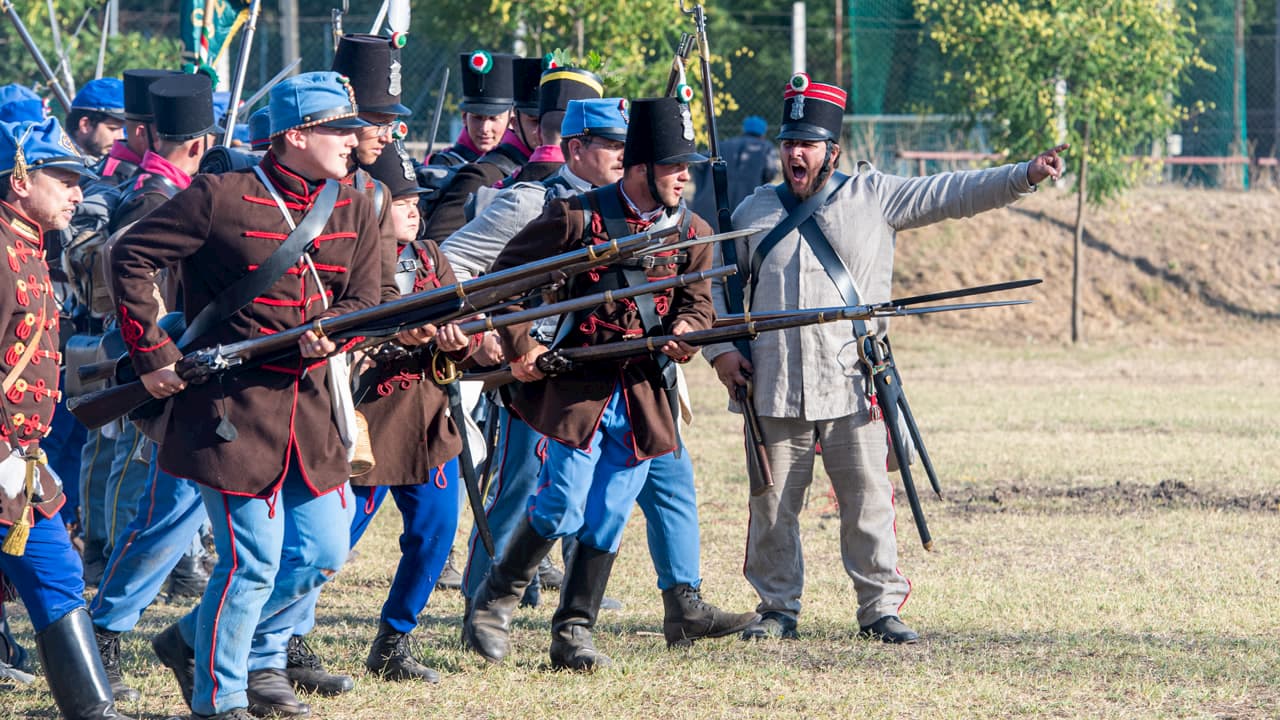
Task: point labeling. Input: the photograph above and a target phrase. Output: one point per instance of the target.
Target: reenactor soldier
(159, 514)
(415, 442)
(448, 211)
(593, 135)
(606, 422)
(257, 474)
(41, 170)
(488, 93)
(812, 397)
(96, 119)
(125, 155)
(371, 63)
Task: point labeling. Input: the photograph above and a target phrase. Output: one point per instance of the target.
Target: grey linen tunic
(812, 372)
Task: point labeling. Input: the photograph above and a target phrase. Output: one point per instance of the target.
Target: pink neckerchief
(511, 138)
(464, 139)
(547, 154)
(120, 152)
(153, 164)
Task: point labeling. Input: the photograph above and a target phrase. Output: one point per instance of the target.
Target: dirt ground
(1161, 263)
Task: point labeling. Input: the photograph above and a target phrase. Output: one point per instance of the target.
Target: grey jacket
(473, 248)
(812, 372)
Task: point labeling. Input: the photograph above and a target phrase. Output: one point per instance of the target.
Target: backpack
(84, 246)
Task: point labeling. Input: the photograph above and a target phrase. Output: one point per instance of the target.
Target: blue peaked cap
(601, 117)
(755, 125)
(260, 129)
(311, 99)
(104, 95)
(19, 102)
(39, 145)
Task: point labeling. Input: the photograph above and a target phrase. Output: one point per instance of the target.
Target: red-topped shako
(812, 110)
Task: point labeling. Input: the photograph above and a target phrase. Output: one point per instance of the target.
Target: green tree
(1098, 74)
(79, 24)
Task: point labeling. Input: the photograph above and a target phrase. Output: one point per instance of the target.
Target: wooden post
(1077, 280)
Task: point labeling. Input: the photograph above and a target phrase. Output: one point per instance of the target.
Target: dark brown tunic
(568, 407)
(27, 303)
(409, 426)
(220, 228)
(450, 211)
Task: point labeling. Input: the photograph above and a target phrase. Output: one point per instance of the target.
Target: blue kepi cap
(104, 95)
(27, 146)
(312, 99)
(19, 102)
(598, 117)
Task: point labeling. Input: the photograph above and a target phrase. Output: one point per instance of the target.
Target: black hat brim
(806, 132)
(392, 109)
(690, 158)
(214, 129)
(484, 108)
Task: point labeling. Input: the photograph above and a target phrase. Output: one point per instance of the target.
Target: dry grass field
(1105, 547)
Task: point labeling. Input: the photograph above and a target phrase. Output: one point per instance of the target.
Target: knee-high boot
(487, 626)
(73, 669)
(585, 575)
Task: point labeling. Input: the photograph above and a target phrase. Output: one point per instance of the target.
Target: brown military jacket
(568, 407)
(217, 230)
(450, 211)
(27, 307)
(409, 426)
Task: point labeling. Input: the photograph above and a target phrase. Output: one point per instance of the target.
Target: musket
(242, 67)
(435, 119)
(561, 360)
(58, 49)
(758, 461)
(676, 77)
(275, 80)
(438, 305)
(45, 70)
(335, 19)
(102, 40)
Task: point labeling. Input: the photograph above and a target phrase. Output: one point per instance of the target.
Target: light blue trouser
(130, 470)
(48, 576)
(590, 493)
(269, 556)
(95, 466)
(430, 515)
(668, 501)
(164, 527)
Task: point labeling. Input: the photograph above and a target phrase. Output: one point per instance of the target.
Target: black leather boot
(308, 674)
(487, 626)
(689, 618)
(178, 656)
(391, 658)
(585, 575)
(270, 693)
(74, 671)
(109, 651)
(188, 578)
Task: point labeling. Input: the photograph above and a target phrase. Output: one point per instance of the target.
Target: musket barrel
(41, 64)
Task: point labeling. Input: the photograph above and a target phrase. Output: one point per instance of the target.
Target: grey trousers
(853, 453)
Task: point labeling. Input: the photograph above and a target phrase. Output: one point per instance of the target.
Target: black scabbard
(888, 386)
(469, 478)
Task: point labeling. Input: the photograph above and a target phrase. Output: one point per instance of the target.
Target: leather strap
(251, 285)
(799, 214)
(29, 352)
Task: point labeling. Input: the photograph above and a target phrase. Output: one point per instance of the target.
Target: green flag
(207, 27)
